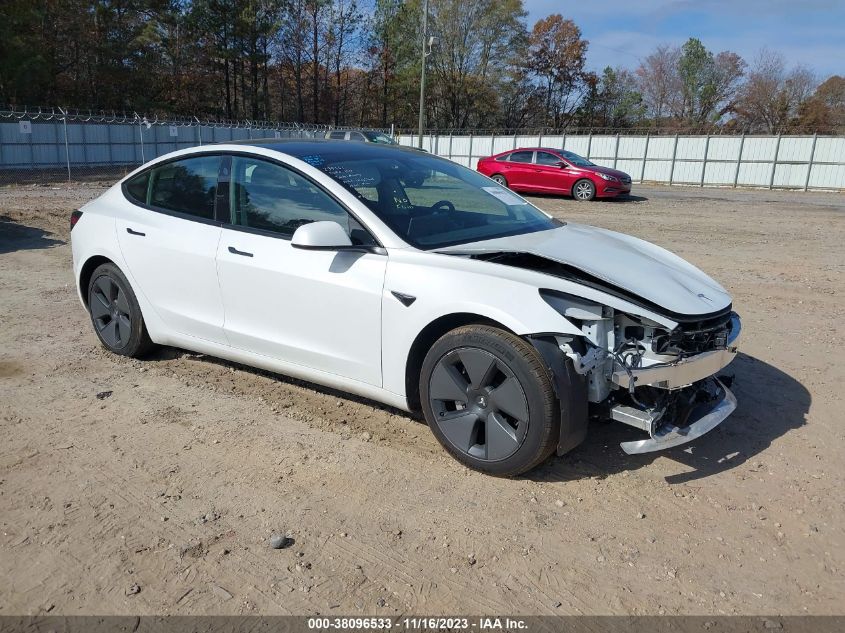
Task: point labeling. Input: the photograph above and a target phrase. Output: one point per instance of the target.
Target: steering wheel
(437, 206)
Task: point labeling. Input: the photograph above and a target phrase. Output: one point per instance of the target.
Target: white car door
(168, 237)
(319, 309)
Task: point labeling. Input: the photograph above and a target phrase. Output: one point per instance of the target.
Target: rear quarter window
(521, 157)
(137, 186)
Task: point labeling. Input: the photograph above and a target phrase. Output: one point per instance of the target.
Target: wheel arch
(87, 270)
(426, 338)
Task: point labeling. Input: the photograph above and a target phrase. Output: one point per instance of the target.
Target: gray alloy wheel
(110, 312)
(488, 399)
(584, 190)
(479, 404)
(115, 313)
(499, 178)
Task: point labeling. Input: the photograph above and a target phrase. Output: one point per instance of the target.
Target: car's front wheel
(584, 190)
(489, 400)
(499, 178)
(115, 313)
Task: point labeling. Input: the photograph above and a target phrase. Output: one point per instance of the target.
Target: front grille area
(695, 337)
(626, 180)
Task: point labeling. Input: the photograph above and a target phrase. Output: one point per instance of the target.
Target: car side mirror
(562, 165)
(329, 236)
(321, 236)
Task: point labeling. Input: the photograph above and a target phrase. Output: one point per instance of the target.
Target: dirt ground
(160, 497)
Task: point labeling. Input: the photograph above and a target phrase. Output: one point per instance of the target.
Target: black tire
(504, 439)
(584, 190)
(499, 178)
(115, 313)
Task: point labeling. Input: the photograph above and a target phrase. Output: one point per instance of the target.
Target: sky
(621, 32)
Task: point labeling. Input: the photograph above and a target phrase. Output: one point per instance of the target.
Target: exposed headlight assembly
(574, 307)
(608, 177)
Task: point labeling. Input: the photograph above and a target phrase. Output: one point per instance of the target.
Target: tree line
(358, 62)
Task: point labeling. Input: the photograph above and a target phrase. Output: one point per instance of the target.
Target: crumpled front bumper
(686, 371)
(705, 419)
(696, 373)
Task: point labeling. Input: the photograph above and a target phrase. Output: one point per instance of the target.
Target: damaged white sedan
(407, 279)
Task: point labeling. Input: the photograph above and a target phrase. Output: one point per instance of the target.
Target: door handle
(235, 251)
(133, 232)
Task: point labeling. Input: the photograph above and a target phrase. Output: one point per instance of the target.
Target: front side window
(521, 157)
(270, 197)
(547, 158)
(187, 186)
(453, 205)
(578, 161)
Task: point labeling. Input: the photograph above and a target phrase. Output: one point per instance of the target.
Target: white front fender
(442, 291)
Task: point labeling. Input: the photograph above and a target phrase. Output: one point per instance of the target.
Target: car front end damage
(646, 335)
(664, 382)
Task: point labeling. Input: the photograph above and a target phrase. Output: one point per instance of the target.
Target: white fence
(783, 162)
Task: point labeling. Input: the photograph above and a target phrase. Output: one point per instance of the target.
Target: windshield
(430, 202)
(379, 137)
(576, 160)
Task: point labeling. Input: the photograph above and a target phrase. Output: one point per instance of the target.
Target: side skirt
(294, 370)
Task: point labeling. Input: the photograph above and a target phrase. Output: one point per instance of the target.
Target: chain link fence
(53, 145)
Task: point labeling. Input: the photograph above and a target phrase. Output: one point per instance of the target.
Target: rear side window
(521, 157)
(338, 135)
(186, 186)
(136, 187)
(270, 197)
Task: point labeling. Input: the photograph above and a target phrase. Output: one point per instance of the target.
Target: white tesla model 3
(405, 278)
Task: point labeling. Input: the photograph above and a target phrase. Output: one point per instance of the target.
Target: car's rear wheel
(488, 399)
(499, 178)
(115, 313)
(584, 190)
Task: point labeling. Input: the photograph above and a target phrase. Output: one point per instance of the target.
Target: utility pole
(422, 73)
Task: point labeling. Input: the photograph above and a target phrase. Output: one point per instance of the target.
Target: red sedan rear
(545, 170)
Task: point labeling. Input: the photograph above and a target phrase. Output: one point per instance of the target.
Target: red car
(546, 170)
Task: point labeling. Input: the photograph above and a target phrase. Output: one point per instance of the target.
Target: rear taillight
(74, 218)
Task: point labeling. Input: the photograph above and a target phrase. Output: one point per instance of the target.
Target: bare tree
(772, 95)
(291, 45)
(475, 37)
(316, 12)
(659, 81)
(344, 21)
